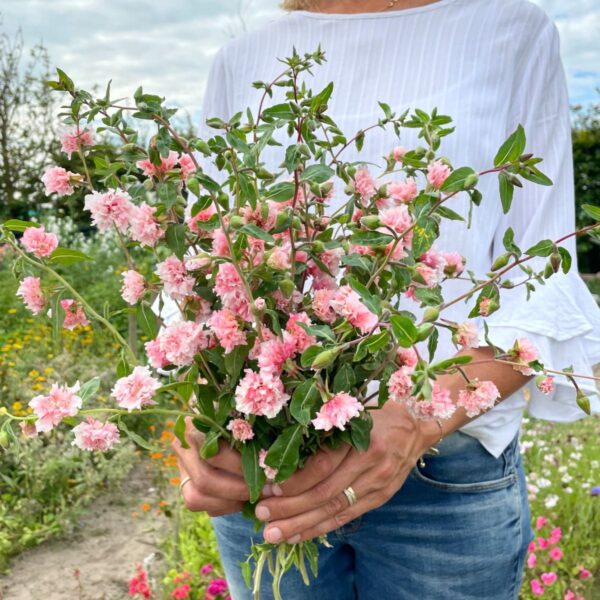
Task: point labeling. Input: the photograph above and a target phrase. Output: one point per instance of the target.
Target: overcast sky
(167, 45)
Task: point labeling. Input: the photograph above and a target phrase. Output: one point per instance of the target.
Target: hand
(312, 503)
(217, 484)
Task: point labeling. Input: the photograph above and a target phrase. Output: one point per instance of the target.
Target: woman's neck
(363, 6)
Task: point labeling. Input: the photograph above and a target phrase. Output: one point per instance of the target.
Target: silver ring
(183, 482)
(350, 496)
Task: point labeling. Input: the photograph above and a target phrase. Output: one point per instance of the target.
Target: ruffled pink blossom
(437, 173)
(260, 394)
(30, 292)
(440, 405)
(523, 351)
(403, 191)
(152, 170)
(144, 226)
(584, 573)
(57, 180)
(135, 390)
(485, 306)
(430, 275)
(466, 335)
(178, 343)
(406, 357)
(200, 217)
(545, 384)
(74, 314)
(206, 569)
(397, 218)
(398, 152)
(108, 208)
(241, 430)
(270, 472)
(134, 286)
(220, 246)
(175, 278)
(364, 184)
(280, 258)
(400, 384)
(74, 139)
(337, 411)
(181, 591)
(38, 242)
(478, 397)
(230, 289)
(273, 353)
(454, 264)
(187, 166)
(218, 587)
(226, 327)
(347, 303)
(95, 435)
(156, 357)
(302, 339)
(50, 410)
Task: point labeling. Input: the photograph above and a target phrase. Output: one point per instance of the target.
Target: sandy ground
(105, 547)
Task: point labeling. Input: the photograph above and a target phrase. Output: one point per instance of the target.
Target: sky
(167, 45)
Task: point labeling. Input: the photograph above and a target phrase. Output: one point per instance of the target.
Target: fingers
(227, 459)
(317, 468)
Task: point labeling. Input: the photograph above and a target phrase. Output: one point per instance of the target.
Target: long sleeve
(561, 317)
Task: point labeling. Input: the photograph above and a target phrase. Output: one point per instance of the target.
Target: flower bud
(548, 270)
(4, 439)
(264, 211)
(371, 221)
(148, 184)
(582, 401)
(193, 185)
(318, 247)
(555, 260)
(431, 314)
(501, 261)
(346, 246)
(324, 358)
(235, 222)
(297, 223)
(282, 218)
(287, 287)
(424, 331)
(471, 180)
(203, 147)
(326, 188)
(419, 152)
(263, 173)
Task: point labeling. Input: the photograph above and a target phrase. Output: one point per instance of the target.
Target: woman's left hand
(312, 502)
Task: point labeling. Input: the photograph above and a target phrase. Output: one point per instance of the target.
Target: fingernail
(267, 490)
(277, 490)
(273, 535)
(294, 539)
(263, 513)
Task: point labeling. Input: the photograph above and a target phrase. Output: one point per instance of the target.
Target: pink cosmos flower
(347, 303)
(555, 535)
(94, 435)
(38, 242)
(144, 227)
(241, 430)
(260, 394)
(541, 522)
(545, 384)
(523, 351)
(531, 561)
(175, 278)
(30, 292)
(555, 553)
(537, 589)
(74, 314)
(302, 339)
(226, 327)
(134, 286)
(273, 353)
(135, 390)
(337, 411)
(437, 173)
(76, 138)
(108, 208)
(478, 397)
(179, 343)
(549, 578)
(364, 184)
(187, 166)
(152, 170)
(50, 410)
(455, 264)
(543, 543)
(466, 335)
(57, 179)
(270, 472)
(403, 191)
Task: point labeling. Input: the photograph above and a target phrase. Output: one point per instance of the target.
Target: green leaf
(280, 192)
(278, 111)
(566, 259)
(370, 345)
(304, 399)
(589, 209)
(147, 321)
(89, 388)
(344, 379)
(67, 256)
(372, 302)
(404, 330)
(257, 232)
(509, 243)
(18, 225)
(512, 148)
(371, 238)
(167, 192)
(284, 454)
(234, 361)
(253, 473)
(447, 213)
(360, 432)
(137, 439)
(210, 447)
(321, 98)
(175, 239)
(179, 431)
(534, 175)
(323, 331)
(358, 260)
(507, 189)
(542, 248)
(456, 180)
(317, 173)
(309, 355)
(424, 234)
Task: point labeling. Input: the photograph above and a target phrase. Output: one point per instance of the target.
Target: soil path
(105, 547)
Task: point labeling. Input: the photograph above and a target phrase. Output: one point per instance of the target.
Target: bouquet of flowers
(287, 310)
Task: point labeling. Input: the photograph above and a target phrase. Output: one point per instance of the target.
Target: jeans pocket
(465, 488)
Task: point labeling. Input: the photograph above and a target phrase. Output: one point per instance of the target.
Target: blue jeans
(457, 529)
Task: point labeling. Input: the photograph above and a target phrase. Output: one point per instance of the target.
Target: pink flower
(523, 351)
(74, 314)
(440, 406)
(135, 390)
(200, 217)
(430, 275)
(406, 356)
(302, 339)
(437, 173)
(30, 292)
(217, 587)
(337, 411)
(545, 384)
(584, 573)
(403, 191)
(112, 207)
(280, 258)
(556, 553)
(537, 589)
(478, 397)
(555, 535)
(484, 307)
(182, 591)
(28, 429)
(187, 166)
(74, 139)
(134, 286)
(466, 335)
(241, 430)
(94, 435)
(400, 384)
(57, 179)
(226, 327)
(347, 303)
(531, 560)
(543, 543)
(38, 242)
(156, 357)
(144, 227)
(569, 595)
(398, 152)
(364, 184)
(206, 569)
(549, 578)
(273, 353)
(321, 305)
(139, 584)
(270, 472)
(260, 394)
(230, 288)
(541, 522)
(179, 342)
(152, 170)
(397, 218)
(455, 264)
(50, 410)
(531, 547)
(175, 278)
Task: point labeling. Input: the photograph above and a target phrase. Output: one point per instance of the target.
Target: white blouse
(490, 65)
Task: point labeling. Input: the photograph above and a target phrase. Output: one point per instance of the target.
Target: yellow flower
(37, 386)
(33, 373)
(17, 405)
(12, 311)
(40, 378)
(48, 370)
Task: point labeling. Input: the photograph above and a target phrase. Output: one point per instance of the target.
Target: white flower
(551, 501)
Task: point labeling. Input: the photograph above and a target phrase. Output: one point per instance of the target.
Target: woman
(457, 527)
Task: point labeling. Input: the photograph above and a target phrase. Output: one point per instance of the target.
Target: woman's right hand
(217, 485)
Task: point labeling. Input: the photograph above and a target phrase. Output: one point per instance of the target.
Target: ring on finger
(183, 482)
(351, 496)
